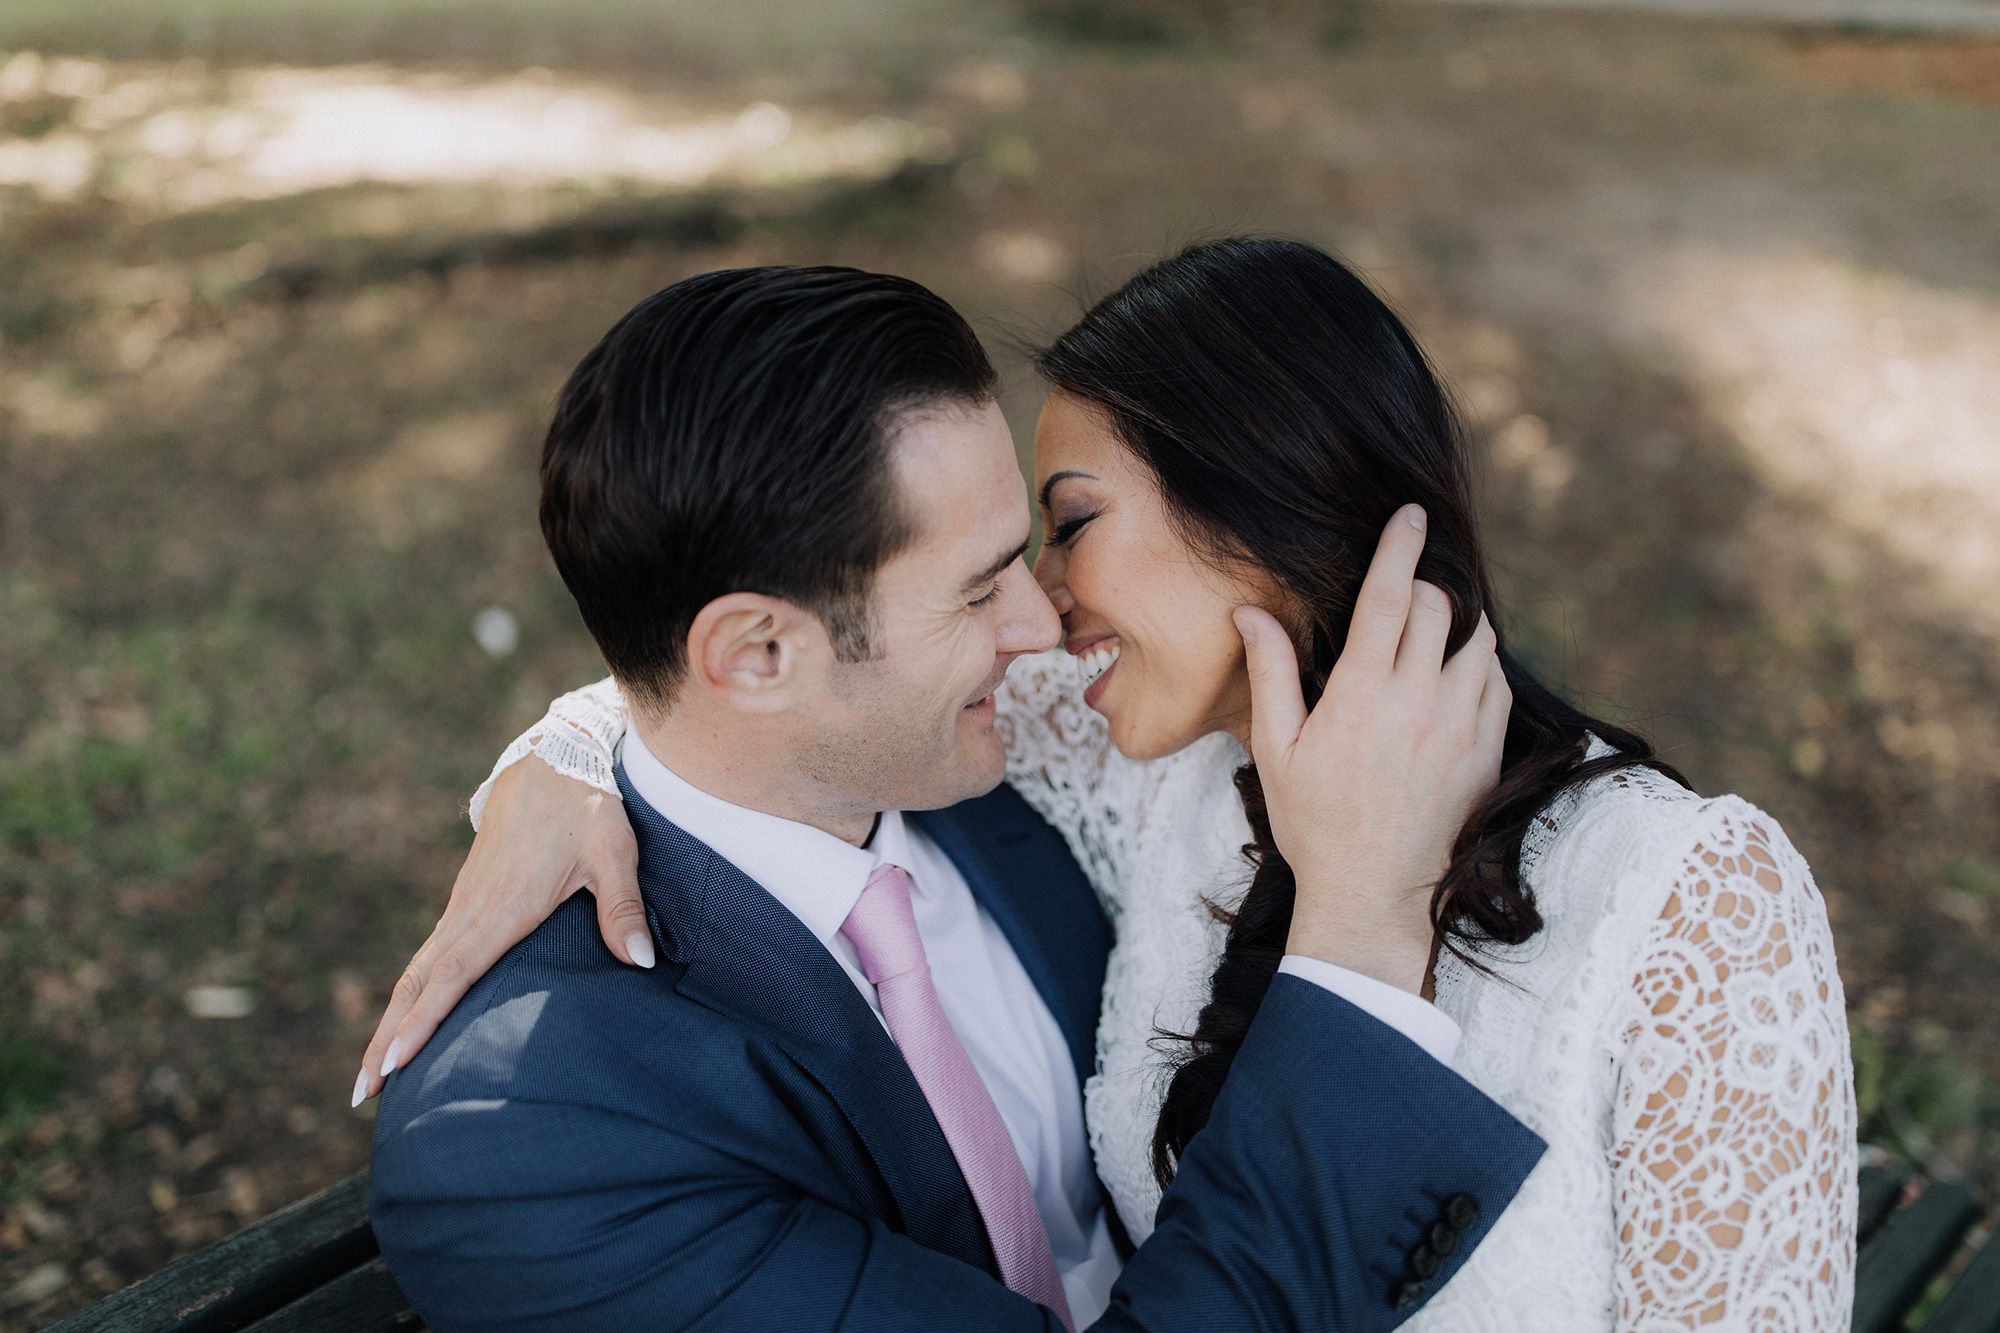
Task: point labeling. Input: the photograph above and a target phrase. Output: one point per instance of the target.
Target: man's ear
(754, 652)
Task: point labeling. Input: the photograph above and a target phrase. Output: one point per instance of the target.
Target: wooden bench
(1906, 1245)
(315, 1268)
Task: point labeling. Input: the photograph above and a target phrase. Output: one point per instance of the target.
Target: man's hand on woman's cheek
(1368, 792)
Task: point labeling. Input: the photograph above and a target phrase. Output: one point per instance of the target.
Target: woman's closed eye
(1067, 530)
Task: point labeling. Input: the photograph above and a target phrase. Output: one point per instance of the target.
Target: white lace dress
(1676, 1032)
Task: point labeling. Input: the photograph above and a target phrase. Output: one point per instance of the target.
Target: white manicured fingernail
(360, 1089)
(1416, 517)
(640, 946)
(389, 1060)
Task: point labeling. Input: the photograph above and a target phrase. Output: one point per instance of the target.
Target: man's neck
(732, 770)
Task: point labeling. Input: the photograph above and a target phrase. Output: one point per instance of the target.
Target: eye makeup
(1066, 531)
(1063, 525)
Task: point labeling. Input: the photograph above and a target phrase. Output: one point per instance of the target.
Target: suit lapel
(1024, 876)
(747, 956)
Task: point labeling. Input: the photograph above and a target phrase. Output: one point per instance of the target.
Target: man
(848, 1095)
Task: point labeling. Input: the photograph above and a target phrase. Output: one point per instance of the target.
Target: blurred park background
(287, 287)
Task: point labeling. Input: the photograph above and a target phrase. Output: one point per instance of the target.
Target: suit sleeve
(1311, 1197)
(1332, 1148)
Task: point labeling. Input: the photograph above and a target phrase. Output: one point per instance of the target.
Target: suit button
(1442, 1237)
(1424, 1262)
(1462, 1211)
(1407, 1295)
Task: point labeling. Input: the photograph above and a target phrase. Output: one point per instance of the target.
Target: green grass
(1973, 875)
(30, 1078)
(1919, 1098)
(1103, 22)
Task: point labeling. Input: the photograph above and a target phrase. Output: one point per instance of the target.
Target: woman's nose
(1050, 572)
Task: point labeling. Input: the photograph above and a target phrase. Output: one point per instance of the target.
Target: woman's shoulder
(1646, 862)
(1637, 818)
(1627, 830)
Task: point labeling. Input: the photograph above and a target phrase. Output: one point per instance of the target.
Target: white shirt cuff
(1412, 1015)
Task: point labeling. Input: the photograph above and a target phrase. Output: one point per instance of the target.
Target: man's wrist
(1395, 957)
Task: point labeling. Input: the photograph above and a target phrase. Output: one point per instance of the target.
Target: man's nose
(1031, 624)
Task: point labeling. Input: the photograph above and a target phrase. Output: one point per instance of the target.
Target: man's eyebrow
(1050, 484)
(992, 571)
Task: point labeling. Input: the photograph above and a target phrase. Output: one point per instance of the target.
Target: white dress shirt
(1001, 1019)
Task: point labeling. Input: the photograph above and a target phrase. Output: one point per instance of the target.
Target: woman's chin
(1131, 737)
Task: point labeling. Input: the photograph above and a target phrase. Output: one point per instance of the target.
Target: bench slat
(366, 1300)
(1907, 1253)
(1881, 1186)
(1973, 1303)
(240, 1279)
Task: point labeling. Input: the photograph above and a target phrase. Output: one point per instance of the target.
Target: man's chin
(979, 766)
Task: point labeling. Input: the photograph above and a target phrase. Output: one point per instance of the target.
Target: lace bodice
(1161, 841)
(1676, 1032)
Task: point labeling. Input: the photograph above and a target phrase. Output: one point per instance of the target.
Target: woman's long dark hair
(1287, 413)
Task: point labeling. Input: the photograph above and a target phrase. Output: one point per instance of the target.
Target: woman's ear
(754, 652)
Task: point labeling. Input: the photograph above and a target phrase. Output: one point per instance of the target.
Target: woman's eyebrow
(1050, 484)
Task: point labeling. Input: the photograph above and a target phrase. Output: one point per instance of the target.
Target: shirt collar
(817, 876)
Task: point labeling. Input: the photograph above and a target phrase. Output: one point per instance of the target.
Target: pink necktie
(884, 931)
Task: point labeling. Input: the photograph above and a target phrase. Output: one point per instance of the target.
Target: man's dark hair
(731, 434)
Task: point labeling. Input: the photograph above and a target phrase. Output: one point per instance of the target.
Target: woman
(1642, 976)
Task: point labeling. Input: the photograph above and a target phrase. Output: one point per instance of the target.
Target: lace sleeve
(577, 737)
(1734, 1125)
(1059, 757)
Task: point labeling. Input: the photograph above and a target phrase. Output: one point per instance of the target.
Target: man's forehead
(964, 496)
(955, 472)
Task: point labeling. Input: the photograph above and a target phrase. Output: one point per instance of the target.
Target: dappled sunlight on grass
(176, 141)
(1874, 395)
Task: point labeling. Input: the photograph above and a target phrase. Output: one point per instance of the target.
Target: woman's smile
(1095, 663)
(1137, 602)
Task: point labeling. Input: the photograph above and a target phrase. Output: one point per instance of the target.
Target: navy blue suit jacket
(731, 1141)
